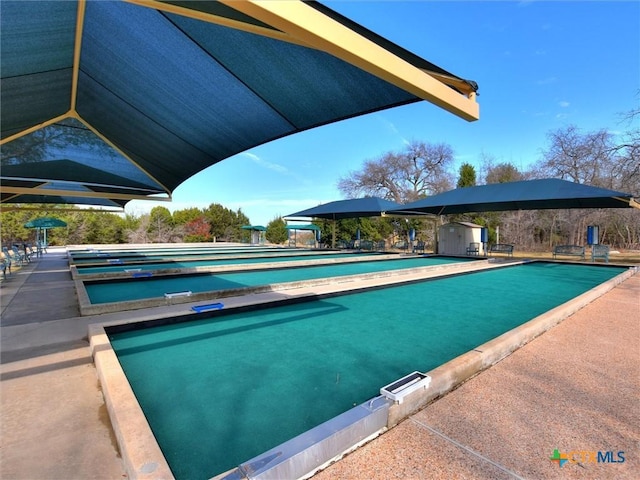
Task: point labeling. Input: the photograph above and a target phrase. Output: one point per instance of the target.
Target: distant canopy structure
(108, 101)
(317, 232)
(350, 208)
(45, 222)
(541, 194)
(42, 224)
(256, 233)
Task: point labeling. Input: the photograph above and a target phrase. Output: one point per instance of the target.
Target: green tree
(160, 225)
(467, 176)
(12, 227)
(277, 231)
(131, 222)
(186, 215)
(226, 225)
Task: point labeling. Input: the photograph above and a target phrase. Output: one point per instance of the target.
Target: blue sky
(540, 65)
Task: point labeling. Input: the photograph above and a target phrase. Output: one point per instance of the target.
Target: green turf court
(132, 256)
(122, 290)
(168, 263)
(219, 391)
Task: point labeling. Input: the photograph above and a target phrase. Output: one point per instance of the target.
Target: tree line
(214, 223)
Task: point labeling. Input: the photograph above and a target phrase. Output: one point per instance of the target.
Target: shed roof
(464, 224)
(146, 93)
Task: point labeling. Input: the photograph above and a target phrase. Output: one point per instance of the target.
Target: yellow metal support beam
(97, 133)
(311, 27)
(29, 130)
(76, 53)
(73, 114)
(632, 202)
(218, 20)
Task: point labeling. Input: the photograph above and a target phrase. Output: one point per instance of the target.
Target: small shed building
(455, 238)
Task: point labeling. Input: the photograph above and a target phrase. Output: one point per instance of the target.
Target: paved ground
(575, 389)
(54, 421)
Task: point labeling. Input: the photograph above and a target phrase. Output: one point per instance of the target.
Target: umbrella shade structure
(256, 233)
(146, 93)
(524, 195)
(351, 208)
(45, 222)
(258, 228)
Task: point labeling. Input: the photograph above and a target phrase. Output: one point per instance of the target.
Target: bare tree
(420, 170)
(593, 158)
(581, 158)
(627, 168)
(139, 235)
(503, 172)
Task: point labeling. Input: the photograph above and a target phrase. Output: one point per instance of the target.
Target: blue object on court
(206, 308)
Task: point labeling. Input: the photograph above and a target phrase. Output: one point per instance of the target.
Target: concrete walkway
(575, 389)
(54, 421)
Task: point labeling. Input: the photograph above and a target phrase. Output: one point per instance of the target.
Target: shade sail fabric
(173, 87)
(311, 226)
(524, 195)
(351, 208)
(45, 222)
(258, 228)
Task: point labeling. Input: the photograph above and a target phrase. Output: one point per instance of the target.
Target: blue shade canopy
(128, 99)
(310, 226)
(525, 195)
(351, 208)
(258, 228)
(45, 222)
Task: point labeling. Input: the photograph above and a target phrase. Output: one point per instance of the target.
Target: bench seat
(568, 250)
(501, 248)
(600, 251)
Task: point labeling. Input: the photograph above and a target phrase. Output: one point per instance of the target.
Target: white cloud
(564, 104)
(393, 129)
(268, 165)
(276, 167)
